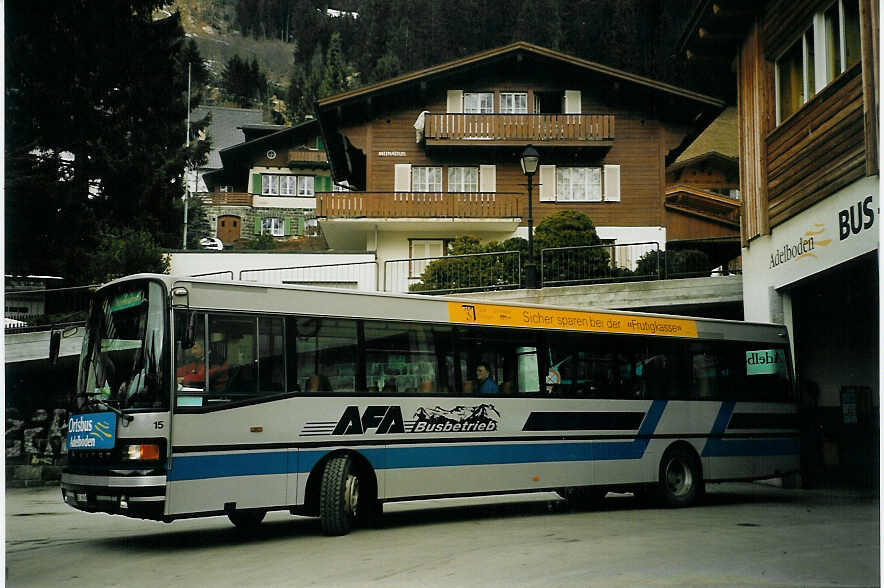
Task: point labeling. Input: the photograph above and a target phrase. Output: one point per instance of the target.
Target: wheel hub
(679, 478)
(351, 494)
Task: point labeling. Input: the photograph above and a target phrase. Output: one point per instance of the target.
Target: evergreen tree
(334, 79)
(94, 143)
(244, 83)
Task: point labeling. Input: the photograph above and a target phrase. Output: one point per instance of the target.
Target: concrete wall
(347, 274)
(714, 290)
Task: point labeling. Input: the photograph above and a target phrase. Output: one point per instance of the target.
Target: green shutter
(287, 226)
(257, 226)
(319, 144)
(256, 183)
(323, 184)
(300, 225)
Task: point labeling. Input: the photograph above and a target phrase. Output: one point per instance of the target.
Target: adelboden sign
(839, 228)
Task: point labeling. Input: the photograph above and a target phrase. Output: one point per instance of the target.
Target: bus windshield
(124, 354)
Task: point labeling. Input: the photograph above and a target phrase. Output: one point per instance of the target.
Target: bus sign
(765, 361)
(92, 431)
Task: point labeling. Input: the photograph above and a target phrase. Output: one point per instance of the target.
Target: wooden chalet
(268, 183)
(435, 154)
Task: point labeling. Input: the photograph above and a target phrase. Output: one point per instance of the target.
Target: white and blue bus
(198, 397)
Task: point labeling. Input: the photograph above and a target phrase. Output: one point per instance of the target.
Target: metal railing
(223, 274)
(34, 310)
(475, 272)
(589, 264)
(360, 275)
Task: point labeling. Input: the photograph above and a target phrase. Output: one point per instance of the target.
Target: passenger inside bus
(485, 384)
(192, 373)
(318, 383)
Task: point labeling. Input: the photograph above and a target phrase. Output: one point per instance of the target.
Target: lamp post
(530, 159)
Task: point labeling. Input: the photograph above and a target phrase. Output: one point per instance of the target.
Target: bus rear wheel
(247, 520)
(339, 496)
(681, 480)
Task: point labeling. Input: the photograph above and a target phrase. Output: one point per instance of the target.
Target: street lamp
(530, 159)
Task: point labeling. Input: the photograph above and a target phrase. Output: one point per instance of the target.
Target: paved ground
(744, 534)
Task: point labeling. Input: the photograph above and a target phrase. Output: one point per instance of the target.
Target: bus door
(226, 435)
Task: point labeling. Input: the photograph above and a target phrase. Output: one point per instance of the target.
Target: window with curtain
(463, 179)
(478, 102)
(426, 179)
(579, 184)
(514, 102)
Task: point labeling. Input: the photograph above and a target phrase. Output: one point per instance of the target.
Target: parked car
(213, 243)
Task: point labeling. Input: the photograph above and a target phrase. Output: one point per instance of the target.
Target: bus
(199, 397)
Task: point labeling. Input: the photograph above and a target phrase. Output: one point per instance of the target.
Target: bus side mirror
(54, 346)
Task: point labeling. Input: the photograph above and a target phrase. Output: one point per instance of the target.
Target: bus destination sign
(574, 320)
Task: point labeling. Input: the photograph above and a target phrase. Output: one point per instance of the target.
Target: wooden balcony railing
(419, 205)
(231, 198)
(307, 155)
(519, 129)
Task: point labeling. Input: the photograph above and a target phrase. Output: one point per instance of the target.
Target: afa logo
(387, 419)
(383, 419)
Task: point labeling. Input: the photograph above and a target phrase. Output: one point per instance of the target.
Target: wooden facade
(829, 142)
(409, 121)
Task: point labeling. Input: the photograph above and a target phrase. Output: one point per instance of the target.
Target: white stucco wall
(345, 273)
(813, 241)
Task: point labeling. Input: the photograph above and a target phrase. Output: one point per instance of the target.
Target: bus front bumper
(133, 495)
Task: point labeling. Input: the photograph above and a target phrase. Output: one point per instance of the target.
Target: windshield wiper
(103, 403)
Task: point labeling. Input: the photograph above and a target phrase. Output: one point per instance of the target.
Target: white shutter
(487, 178)
(547, 183)
(612, 183)
(402, 177)
(455, 101)
(572, 101)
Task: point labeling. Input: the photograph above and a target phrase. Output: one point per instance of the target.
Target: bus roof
(208, 294)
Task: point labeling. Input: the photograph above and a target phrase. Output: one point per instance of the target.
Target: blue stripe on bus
(719, 447)
(200, 467)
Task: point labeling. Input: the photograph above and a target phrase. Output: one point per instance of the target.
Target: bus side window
(324, 355)
(271, 361)
(190, 363)
(232, 357)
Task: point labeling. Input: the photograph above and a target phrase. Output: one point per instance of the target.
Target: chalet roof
(236, 159)
(716, 28)
(661, 100)
(515, 49)
(224, 128)
(718, 141)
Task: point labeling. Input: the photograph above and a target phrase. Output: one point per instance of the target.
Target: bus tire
(338, 496)
(681, 478)
(246, 520)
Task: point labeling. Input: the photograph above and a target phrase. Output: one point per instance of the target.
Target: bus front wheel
(338, 496)
(681, 479)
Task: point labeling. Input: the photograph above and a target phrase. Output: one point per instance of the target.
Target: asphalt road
(743, 534)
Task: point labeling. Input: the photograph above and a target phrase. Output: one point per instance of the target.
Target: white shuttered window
(426, 179)
(579, 184)
(463, 179)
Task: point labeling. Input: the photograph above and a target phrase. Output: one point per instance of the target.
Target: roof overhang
(665, 101)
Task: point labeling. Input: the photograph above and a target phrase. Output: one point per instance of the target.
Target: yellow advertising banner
(572, 320)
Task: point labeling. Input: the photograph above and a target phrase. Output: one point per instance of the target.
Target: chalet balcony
(553, 130)
(416, 205)
(226, 198)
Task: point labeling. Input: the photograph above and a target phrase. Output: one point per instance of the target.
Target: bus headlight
(146, 451)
